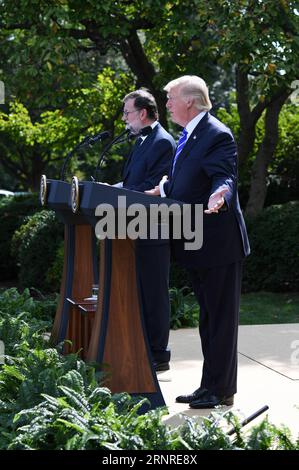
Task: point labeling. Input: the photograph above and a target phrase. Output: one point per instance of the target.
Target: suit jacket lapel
(192, 140)
(139, 150)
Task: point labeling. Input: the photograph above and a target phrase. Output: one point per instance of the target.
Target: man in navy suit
(149, 160)
(204, 171)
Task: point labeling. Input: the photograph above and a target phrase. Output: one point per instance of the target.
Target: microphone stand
(70, 154)
(118, 139)
(248, 420)
(87, 141)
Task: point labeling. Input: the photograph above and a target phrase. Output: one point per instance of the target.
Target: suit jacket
(149, 161)
(208, 161)
(146, 165)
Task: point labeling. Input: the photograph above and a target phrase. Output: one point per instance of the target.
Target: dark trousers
(153, 274)
(218, 292)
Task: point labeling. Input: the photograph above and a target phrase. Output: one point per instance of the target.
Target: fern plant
(184, 308)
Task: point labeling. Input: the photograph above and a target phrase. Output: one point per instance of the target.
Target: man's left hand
(216, 201)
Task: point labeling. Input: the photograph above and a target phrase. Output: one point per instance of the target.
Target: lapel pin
(194, 137)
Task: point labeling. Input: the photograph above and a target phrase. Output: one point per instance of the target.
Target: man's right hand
(153, 192)
(156, 190)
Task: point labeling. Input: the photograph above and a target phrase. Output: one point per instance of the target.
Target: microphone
(87, 141)
(119, 138)
(93, 139)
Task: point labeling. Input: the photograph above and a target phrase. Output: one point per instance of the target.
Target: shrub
(179, 277)
(273, 264)
(36, 244)
(184, 308)
(274, 261)
(13, 211)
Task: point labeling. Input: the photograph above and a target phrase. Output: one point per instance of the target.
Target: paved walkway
(268, 374)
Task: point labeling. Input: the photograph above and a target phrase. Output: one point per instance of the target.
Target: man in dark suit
(149, 160)
(204, 171)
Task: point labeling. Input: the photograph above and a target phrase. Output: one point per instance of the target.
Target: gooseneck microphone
(101, 136)
(118, 139)
(88, 141)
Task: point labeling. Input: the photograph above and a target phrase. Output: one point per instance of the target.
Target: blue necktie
(179, 148)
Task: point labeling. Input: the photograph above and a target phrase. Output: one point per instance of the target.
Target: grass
(260, 308)
(257, 308)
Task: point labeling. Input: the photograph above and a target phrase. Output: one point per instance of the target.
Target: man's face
(177, 106)
(131, 116)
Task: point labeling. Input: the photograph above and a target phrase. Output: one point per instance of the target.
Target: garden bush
(274, 261)
(273, 264)
(184, 308)
(13, 211)
(36, 244)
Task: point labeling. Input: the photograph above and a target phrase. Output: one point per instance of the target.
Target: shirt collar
(152, 125)
(193, 123)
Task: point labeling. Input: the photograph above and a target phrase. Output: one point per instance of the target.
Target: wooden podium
(80, 268)
(110, 328)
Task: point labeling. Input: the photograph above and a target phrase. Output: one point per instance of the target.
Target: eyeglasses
(126, 113)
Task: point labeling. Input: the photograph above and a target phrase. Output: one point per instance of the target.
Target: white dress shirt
(189, 128)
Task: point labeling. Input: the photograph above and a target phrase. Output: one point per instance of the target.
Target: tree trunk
(258, 188)
(248, 117)
(133, 53)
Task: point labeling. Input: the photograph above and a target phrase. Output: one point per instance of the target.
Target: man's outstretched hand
(216, 201)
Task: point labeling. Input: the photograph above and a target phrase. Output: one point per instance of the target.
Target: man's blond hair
(196, 87)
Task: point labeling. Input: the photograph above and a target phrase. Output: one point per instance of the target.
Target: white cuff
(161, 187)
(118, 185)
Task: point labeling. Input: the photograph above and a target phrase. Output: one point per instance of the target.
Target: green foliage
(13, 211)
(31, 147)
(81, 418)
(53, 53)
(35, 245)
(179, 277)
(272, 265)
(13, 303)
(23, 320)
(184, 308)
(261, 308)
(274, 261)
(54, 272)
(283, 175)
(28, 145)
(267, 436)
(282, 179)
(207, 435)
(25, 378)
(54, 402)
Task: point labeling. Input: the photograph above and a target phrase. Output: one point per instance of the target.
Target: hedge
(13, 211)
(274, 261)
(36, 245)
(272, 266)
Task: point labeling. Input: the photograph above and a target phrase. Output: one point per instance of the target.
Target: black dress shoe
(208, 400)
(193, 396)
(160, 366)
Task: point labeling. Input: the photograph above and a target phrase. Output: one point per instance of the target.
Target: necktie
(179, 148)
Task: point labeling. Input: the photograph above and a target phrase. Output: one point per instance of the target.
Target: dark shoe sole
(197, 404)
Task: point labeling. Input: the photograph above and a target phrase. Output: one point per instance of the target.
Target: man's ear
(143, 113)
(189, 102)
